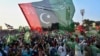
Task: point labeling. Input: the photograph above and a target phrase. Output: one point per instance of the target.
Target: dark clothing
(53, 52)
(3, 53)
(88, 51)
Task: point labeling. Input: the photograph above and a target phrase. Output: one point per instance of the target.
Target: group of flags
(14, 37)
(44, 13)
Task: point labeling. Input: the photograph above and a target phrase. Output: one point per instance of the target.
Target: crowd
(49, 43)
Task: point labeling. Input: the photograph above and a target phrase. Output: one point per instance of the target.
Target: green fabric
(94, 50)
(61, 32)
(92, 32)
(64, 10)
(26, 28)
(27, 37)
(98, 51)
(13, 37)
(8, 39)
(71, 44)
(77, 47)
(20, 28)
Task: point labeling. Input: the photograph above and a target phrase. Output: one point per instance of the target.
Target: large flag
(45, 13)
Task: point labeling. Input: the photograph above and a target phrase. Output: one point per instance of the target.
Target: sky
(10, 12)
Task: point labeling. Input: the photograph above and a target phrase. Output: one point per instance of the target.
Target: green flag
(26, 28)
(20, 28)
(27, 37)
(9, 39)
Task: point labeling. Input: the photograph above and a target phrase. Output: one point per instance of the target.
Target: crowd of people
(49, 43)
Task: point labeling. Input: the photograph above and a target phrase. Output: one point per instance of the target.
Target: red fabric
(31, 16)
(80, 28)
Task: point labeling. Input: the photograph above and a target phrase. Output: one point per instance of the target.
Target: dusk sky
(10, 12)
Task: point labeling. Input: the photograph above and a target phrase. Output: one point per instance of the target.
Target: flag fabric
(80, 28)
(9, 39)
(20, 28)
(9, 26)
(65, 11)
(27, 37)
(45, 13)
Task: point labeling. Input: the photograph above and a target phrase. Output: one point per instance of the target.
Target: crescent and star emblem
(42, 19)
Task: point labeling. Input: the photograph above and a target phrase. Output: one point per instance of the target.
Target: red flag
(39, 15)
(80, 28)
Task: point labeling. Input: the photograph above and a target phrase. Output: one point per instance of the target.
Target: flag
(45, 13)
(20, 28)
(9, 26)
(27, 37)
(10, 39)
(80, 28)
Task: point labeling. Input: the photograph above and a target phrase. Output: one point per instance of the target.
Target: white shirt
(62, 51)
